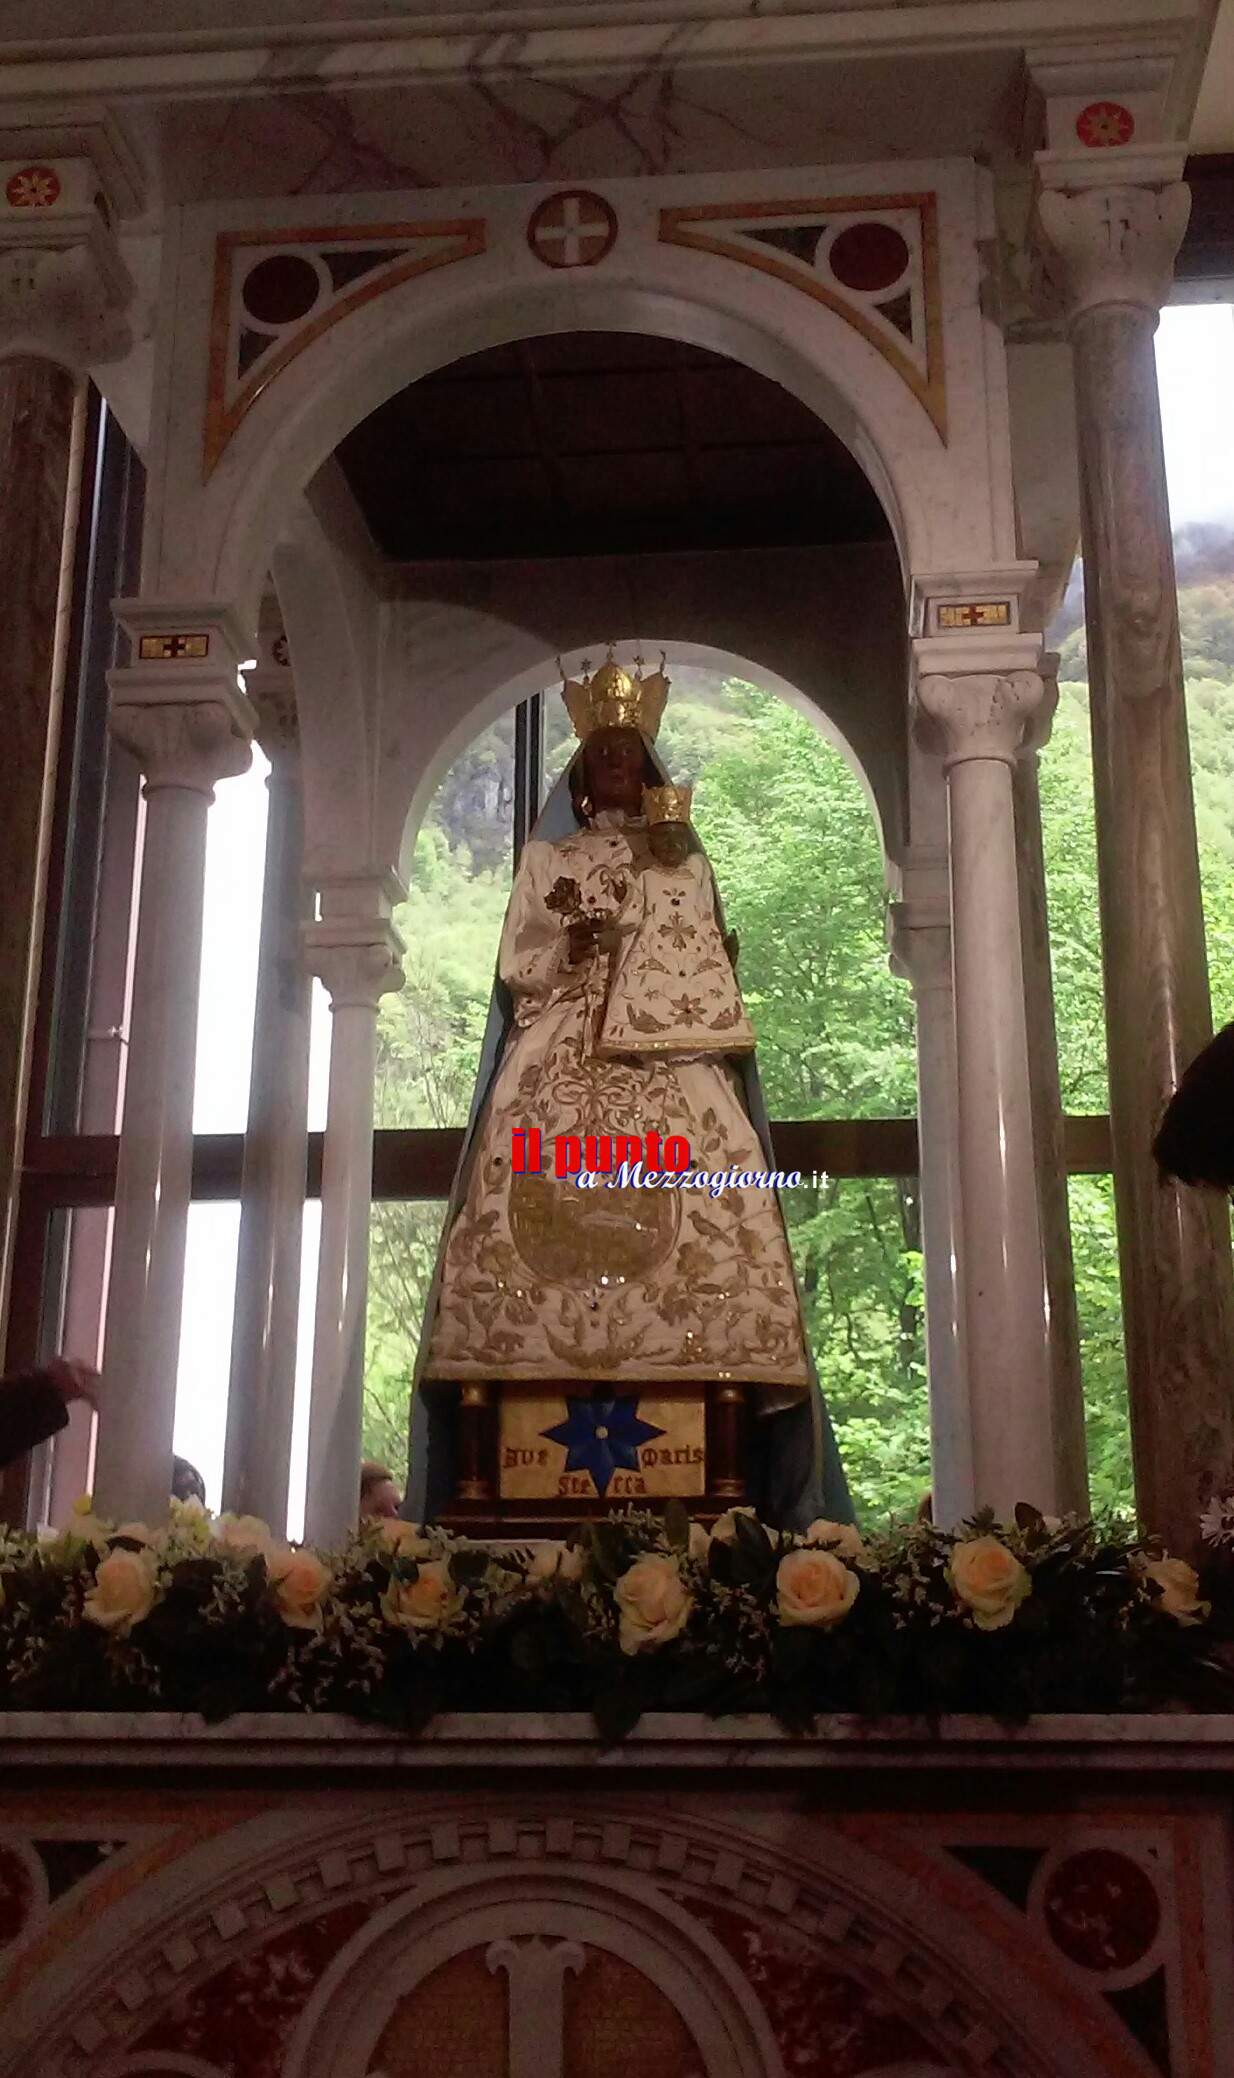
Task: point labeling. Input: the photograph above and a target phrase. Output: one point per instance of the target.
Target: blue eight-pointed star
(602, 1437)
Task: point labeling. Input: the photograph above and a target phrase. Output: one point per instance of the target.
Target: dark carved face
(669, 843)
(613, 762)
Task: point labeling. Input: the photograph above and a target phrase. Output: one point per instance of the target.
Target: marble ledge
(511, 1744)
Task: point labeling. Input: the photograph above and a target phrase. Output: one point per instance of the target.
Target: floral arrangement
(641, 1612)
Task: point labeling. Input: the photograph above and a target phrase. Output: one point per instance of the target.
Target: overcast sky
(1195, 359)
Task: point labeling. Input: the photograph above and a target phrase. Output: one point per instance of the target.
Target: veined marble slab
(516, 1742)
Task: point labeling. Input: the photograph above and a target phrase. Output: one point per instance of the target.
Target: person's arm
(35, 1405)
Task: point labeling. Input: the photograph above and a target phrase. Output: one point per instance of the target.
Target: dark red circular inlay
(1101, 1909)
(280, 289)
(868, 257)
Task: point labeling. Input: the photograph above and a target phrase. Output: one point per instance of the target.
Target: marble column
(980, 715)
(40, 466)
(1049, 1149)
(1112, 250)
(921, 951)
(356, 955)
(263, 1350)
(177, 707)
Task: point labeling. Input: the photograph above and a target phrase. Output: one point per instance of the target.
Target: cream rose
(427, 1603)
(1180, 1589)
(299, 1581)
(654, 1605)
(842, 1537)
(814, 1587)
(405, 1539)
(245, 1537)
(125, 1589)
(989, 1580)
(724, 1528)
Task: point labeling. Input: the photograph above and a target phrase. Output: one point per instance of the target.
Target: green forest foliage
(797, 858)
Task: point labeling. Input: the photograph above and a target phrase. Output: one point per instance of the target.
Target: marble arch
(216, 540)
(490, 706)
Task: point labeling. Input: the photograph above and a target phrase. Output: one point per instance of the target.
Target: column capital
(358, 961)
(1112, 244)
(978, 714)
(191, 744)
(65, 292)
(177, 705)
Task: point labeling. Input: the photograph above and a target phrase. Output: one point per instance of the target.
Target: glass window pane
(231, 927)
(205, 1341)
(857, 1250)
(429, 1034)
(1094, 1241)
(403, 1240)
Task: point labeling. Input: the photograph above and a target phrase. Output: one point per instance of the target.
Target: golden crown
(667, 804)
(612, 698)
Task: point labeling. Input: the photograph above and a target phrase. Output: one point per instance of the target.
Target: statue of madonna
(597, 1345)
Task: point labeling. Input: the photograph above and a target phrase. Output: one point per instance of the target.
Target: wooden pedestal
(538, 1459)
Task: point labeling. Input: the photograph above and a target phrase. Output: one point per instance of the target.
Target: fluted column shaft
(357, 972)
(184, 745)
(922, 952)
(1114, 249)
(982, 716)
(263, 1350)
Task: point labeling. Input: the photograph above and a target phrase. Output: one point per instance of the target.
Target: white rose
(699, 1544)
(725, 1527)
(125, 1589)
(1180, 1589)
(814, 1587)
(989, 1580)
(654, 1605)
(843, 1537)
(550, 1561)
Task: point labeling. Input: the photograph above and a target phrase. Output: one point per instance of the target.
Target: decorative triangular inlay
(872, 259)
(277, 291)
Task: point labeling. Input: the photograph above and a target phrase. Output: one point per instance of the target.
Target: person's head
(379, 1496)
(612, 768)
(667, 809)
(1195, 1141)
(187, 1483)
(669, 843)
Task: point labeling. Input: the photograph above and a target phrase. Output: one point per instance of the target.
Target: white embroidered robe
(544, 1281)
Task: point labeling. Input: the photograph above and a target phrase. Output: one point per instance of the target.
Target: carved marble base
(296, 1898)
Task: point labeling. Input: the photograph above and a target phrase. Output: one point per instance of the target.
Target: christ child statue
(673, 989)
